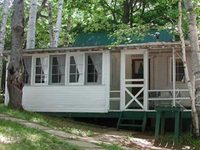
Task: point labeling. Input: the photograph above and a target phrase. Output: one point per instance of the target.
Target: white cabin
(101, 79)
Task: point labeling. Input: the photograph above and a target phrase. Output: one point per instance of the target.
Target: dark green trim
(129, 114)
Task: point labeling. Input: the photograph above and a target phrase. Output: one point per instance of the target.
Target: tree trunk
(195, 119)
(30, 42)
(126, 12)
(51, 33)
(3, 24)
(15, 67)
(58, 24)
(67, 30)
(2, 34)
(193, 36)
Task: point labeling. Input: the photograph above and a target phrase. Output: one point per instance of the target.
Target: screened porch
(143, 79)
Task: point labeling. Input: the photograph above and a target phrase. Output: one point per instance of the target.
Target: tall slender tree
(195, 119)
(3, 24)
(54, 33)
(58, 23)
(15, 67)
(51, 33)
(193, 36)
(30, 44)
(3, 32)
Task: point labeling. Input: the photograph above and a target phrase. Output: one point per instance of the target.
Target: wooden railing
(166, 97)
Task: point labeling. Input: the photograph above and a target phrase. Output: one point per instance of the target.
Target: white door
(134, 79)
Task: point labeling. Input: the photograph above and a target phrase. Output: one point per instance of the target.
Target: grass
(18, 137)
(111, 146)
(35, 139)
(186, 141)
(64, 124)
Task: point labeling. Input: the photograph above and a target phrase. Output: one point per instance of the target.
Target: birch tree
(195, 119)
(3, 24)
(15, 67)
(3, 31)
(193, 36)
(51, 32)
(32, 25)
(54, 33)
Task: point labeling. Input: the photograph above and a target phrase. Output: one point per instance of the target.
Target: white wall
(68, 98)
(77, 98)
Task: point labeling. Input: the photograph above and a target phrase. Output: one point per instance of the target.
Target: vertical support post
(174, 76)
(122, 73)
(146, 78)
(106, 76)
(157, 126)
(177, 125)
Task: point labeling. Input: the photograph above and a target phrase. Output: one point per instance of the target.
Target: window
(180, 75)
(41, 69)
(27, 69)
(94, 68)
(57, 69)
(76, 69)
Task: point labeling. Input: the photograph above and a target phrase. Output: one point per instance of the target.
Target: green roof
(103, 38)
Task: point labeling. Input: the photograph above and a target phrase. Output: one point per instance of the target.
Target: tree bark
(51, 33)
(2, 35)
(195, 119)
(67, 30)
(126, 12)
(15, 67)
(30, 42)
(58, 24)
(3, 25)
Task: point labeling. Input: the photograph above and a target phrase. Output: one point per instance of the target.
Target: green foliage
(15, 136)
(105, 15)
(126, 35)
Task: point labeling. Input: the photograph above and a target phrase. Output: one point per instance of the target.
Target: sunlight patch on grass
(79, 132)
(33, 137)
(7, 139)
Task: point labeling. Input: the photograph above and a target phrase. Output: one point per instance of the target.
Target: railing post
(146, 79)
(174, 76)
(122, 81)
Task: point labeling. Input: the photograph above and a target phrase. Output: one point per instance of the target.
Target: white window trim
(68, 69)
(102, 65)
(28, 84)
(49, 73)
(33, 68)
(171, 72)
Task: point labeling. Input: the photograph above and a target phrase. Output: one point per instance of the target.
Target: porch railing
(165, 97)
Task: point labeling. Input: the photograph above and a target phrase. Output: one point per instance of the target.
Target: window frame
(171, 71)
(50, 69)
(34, 69)
(86, 69)
(31, 69)
(83, 68)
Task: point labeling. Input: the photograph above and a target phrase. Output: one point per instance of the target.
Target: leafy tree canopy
(118, 17)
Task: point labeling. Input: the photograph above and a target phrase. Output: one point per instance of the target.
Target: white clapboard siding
(87, 98)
